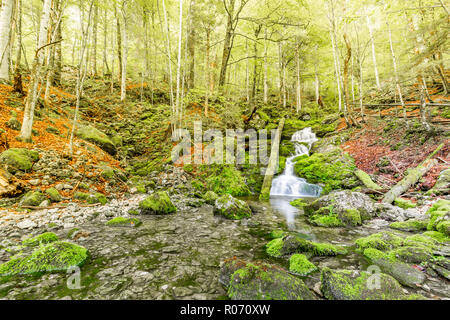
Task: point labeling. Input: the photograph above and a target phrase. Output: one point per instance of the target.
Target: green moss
(351, 217)
(444, 227)
(133, 212)
(33, 198)
(53, 194)
(366, 180)
(19, 159)
(404, 203)
(299, 203)
(227, 180)
(374, 254)
(420, 241)
(299, 264)
(97, 198)
(436, 235)
(410, 225)
(232, 208)
(327, 221)
(327, 249)
(81, 196)
(43, 238)
(210, 197)
(157, 203)
(124, 222)
(273, 248)
(53, 257)
(381, 241)
(334, 170)
(72, 232)
(275, 234)
(97, 137)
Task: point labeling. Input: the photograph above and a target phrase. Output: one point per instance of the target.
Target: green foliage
(225, 179)
(298, 263)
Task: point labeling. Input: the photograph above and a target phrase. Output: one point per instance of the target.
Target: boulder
(248, 281)
(157, 203)
(53, 194)
(442, 185)
(53, 257)
(410, 225)
(33, 198)
(232, 208)
(96, 137)
(299, 264)
(285, 246)
(210, 197)
(124, 222)
(19, 159)
(354, 285)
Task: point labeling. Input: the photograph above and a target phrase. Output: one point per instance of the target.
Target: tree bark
(374, 57)
(5, 34)
(123, 83)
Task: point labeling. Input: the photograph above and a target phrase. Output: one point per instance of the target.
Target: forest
(224, 150)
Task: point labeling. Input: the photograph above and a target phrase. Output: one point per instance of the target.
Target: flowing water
(287, 184)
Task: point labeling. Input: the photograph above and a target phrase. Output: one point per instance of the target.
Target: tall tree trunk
(5, 37)
(226, 51)
(266, 94)
(316, 78)
(298, 86)
(94, 34)
(169, 60)
(191, 46)
(180, 41)
(123, 83)
(105, 44)
(337, 69)
(374, 57)
(18, 86)
(58, 52)
(208, 70)
(119, 42)
(32, 96)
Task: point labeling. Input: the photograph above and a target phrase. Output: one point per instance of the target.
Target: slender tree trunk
(180, 41)
(374, 57)
(105, 44)
(191, 46)
(298, 87)
(119, 43)
(337, 70)
(266, 94)
(208, 69)
(247, 73)
(94, 34)
(18, 86)
(5, 37)
(27, 123)
(123, 89)
(316, 78)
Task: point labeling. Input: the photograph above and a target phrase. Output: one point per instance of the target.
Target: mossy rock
(157, 203)
(124, 222)
(382, 241)
(275, 234)
(351, 285)
(298, 203)
(404, 203)
(54, 257)
(227, 179)
(327, 221)
(53, 194)
(438, 212)
(96, 137)
(52, 130)
(286, 246)
(14, 124)
(33, 198)
(97, 198)
(436, 235)
(299, 264)
(351, 217)
(444, 227)
(210, 197)
(43, 238)
(19, 159)
(232, 208)
(251, 281)
(410, 225)
(82, 196)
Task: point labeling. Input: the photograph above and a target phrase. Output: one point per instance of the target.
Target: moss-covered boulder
(286, 246)
(53, 257)
(97, 198)
(43, 238)
(341, 208)
(439, 212)
(248, 281)
(33, 198)
(232, 208)
(382, 241)
(444, 227)
(157, 203)
(124, 222)
(335, 170)
(442, 185)
(53, 194)
(351, 285)
(82, 196)
(299, 264)
(410, 225)
(96, 137)
(19, 159)
(210, 197)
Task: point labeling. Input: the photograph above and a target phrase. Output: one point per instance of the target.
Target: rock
(248, 281)
(210, 197)
(41, 239)
(124, 222)
(44, 203)
(19, 159)
(352, 285)
(97, 137)
(9, 185)
(439, 212)
(82, 196)
(54, 257)
(97, 198)
(231, 208)
(157, 203)
(26, 224)
(53, 194)
(410, 225)
(33, 198)
(389, 212)
(402, 272)
(343, 204)
(299, 264)
(281, 247)
(442, 185)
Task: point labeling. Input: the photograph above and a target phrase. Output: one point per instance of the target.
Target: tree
(5, 37)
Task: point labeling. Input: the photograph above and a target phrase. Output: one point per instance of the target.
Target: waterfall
(287, 184)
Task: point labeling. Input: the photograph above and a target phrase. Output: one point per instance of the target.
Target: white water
(287, 184)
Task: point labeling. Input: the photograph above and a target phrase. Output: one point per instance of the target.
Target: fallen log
(272, 167)
(410, 180)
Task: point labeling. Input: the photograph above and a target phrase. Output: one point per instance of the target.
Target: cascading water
(287, 184)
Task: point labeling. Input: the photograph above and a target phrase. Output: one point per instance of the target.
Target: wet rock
(97, 137)
(157, 203)
(281, 247)
(232, 208)
(124, 222)
(410, 225)
(249, 281)
(353, 285)
(210, 197)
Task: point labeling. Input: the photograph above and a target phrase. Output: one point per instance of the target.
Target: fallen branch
(366, 180)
